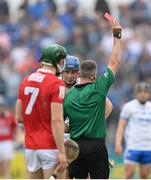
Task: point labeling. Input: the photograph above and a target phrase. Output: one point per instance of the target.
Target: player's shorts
(6, 150)
(134, 156)
(92, 160)
(43, 158)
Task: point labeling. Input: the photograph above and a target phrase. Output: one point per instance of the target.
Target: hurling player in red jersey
(8, 127)
(40, 107)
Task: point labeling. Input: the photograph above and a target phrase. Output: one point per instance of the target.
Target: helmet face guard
(71, 63)
(52, 55)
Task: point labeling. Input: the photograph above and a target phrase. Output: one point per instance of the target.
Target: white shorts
(43, 158)
(6, 150)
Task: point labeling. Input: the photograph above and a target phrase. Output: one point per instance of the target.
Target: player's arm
(14, 127)
(18, 111)
(58, 128)
(108, 107)
(114, 62)
(119, 136)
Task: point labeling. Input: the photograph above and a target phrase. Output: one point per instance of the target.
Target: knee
(144, 175)
(129, 174)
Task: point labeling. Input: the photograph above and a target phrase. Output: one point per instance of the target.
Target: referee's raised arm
(115, 59)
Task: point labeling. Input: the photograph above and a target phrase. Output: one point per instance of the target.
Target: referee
(85, 107)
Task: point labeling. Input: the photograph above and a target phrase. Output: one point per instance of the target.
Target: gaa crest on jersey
(62, 91)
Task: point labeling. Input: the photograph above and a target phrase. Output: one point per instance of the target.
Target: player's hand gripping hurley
(72, 152)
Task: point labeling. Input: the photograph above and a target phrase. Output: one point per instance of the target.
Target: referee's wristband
(117, 35)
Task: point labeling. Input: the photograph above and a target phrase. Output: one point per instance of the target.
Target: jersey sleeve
(105, 81)
(58, 93)
(125, 113)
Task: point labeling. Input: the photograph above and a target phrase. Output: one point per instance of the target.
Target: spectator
(2, 85)
(4, 11)
(139, 12)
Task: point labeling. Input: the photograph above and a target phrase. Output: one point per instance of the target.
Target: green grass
(117, 172)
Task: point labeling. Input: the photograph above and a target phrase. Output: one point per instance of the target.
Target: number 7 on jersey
(34, 93)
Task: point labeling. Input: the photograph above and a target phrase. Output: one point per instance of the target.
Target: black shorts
(92, 160)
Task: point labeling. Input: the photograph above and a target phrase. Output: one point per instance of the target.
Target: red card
(109, 17)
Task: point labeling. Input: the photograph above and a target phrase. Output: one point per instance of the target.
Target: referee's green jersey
(85, 107)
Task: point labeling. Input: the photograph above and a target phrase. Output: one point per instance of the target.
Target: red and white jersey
(7, 126)
(37, 91)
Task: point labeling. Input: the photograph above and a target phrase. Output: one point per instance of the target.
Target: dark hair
(88, 69)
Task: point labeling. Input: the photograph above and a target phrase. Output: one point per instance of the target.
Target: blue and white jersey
(138, 130)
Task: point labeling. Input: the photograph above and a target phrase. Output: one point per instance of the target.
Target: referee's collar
(81, 85)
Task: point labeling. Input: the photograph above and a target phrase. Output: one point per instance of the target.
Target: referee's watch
(117, 35)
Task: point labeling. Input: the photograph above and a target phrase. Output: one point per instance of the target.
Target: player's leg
(97, 160)
(144, 171)
(131, 158)
(34, 168)
(145, 164)
(47, 173)
(35, 175)
(1, 167)
(77, 169)
(5, 169)
(129, 169)
(6, 153)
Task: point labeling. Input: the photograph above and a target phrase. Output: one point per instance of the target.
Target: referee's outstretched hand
(116, 27)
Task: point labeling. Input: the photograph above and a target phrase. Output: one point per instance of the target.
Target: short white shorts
(43, 158)
(6, 150)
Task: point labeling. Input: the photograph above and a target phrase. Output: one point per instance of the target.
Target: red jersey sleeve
(58, 93)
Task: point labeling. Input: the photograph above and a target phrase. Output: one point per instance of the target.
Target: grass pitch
(18, 167)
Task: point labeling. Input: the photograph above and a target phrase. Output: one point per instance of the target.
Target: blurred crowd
(85, 35)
